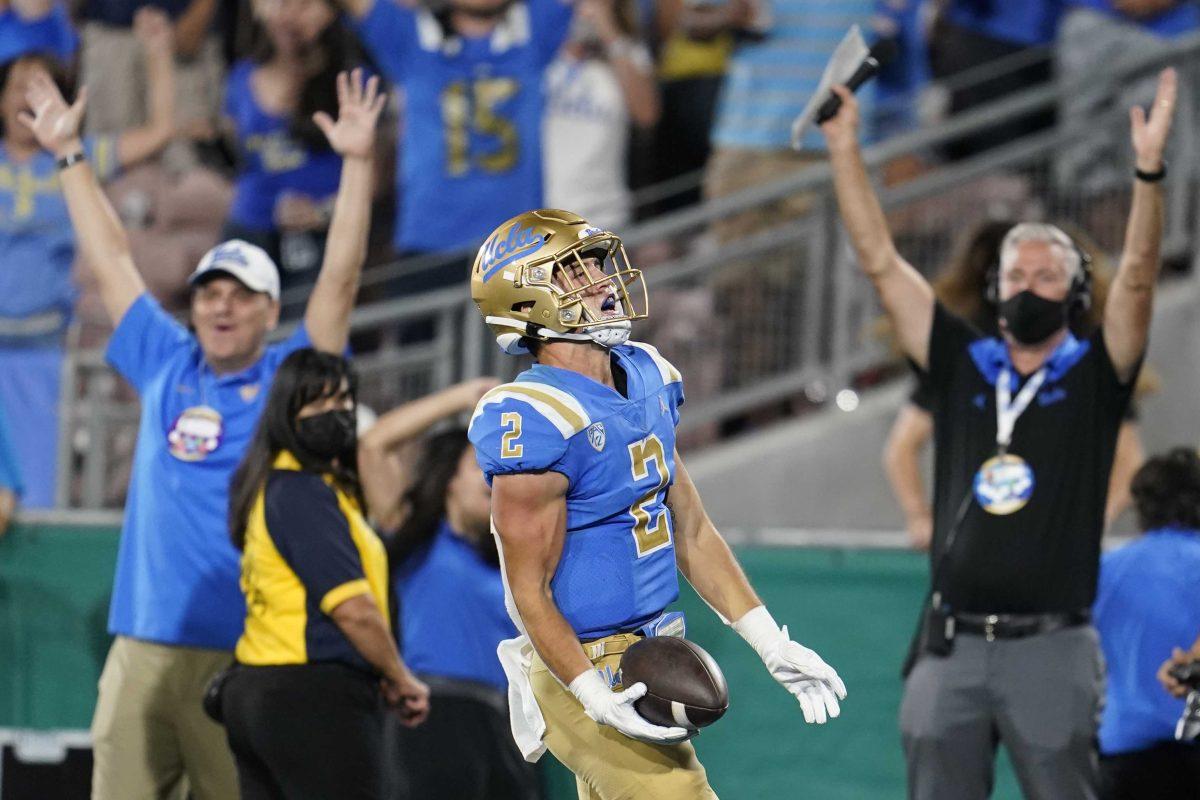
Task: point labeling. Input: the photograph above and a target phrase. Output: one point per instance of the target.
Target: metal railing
(777, 317)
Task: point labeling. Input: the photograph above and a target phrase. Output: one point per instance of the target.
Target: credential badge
(596, 436)
(196, 433)
(1004, 484)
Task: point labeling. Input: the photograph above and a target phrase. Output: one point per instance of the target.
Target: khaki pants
(608, 765)
(151, 737)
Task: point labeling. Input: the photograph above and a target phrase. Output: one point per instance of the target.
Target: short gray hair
(1048, 234)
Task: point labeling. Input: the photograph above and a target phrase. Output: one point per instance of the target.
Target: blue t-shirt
(470, 151)
(768, 83)
(1148, 602)
(272, 161)
(452, 612)
(177, 571)
(49, 34)
(37, 242)
(1017, 22)
(1181, 19)
(617, 569)
(10, 472)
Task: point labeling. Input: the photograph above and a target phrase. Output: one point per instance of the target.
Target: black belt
(1016, 626)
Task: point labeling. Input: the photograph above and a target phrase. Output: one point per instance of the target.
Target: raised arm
(1131, 298)
(380, 467)
(192, 26)
(32, 9)
(706, 561)
(635, 74)
(102, 240)
(327, 316)
(907, 297)
(153, 30)
(529, 511)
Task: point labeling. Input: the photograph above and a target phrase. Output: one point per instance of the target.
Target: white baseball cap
(248, 263)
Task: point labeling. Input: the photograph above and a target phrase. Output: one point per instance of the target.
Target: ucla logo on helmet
(596, 436)
(507, 246)
(591, 231)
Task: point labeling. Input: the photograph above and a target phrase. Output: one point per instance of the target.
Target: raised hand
(154, 31)
(1149, 136)
(54, 124)
(841, 131)
(359, 106)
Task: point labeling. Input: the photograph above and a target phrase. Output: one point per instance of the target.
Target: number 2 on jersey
(509, 448)
(469, 110)
(651, 530)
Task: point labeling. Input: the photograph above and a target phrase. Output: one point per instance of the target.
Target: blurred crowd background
(644, 111)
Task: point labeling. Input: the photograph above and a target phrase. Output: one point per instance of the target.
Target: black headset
(1080, 293)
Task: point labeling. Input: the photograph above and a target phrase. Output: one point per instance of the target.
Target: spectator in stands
(697, 39)
(1025, 430)
(119, 83)
(470, 154)
(901, 80)
(287, 174)
(601, 82)
(36, 26)
(10, 477)
(970, 34)
(177, 610)
(766, 86)
(450, 600)
(302, 706)
(1148, 602)
(36, 304)
(963, 290)
(1096, 35)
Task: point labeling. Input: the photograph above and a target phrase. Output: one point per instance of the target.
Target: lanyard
(1007, 409)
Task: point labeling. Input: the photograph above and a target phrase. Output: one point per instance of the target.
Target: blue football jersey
(617, 569)
(470, 149)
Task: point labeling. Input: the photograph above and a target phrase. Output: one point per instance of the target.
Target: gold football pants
(608, 765)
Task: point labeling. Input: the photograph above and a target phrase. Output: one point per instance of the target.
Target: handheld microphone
(883, 52)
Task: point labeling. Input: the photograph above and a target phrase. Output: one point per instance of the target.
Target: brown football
(684, 685)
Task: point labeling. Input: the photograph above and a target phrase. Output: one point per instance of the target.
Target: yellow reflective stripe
(340, 594)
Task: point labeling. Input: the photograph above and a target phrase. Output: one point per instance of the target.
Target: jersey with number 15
(470, 152)
(617, 569)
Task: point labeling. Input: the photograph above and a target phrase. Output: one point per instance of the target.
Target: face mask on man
(1032, 319)
(327, 435)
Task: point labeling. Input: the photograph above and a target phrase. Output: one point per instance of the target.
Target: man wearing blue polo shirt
(470, 151)
(177, 610)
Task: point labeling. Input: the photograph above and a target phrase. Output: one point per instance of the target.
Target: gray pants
(1041, 696)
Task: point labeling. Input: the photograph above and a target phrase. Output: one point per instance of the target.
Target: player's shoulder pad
(551, 407)
(666, 370)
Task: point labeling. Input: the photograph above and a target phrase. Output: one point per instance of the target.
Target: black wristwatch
(71, 160)
(1151, 177)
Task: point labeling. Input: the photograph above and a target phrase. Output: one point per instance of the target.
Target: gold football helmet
(549, 274)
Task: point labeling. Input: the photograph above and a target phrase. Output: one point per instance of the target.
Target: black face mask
(327, 435)
(1032, 319)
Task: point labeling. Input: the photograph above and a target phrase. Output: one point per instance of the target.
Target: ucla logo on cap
(507, 246)
(229, 252)
(1004, 484)
(596, 436)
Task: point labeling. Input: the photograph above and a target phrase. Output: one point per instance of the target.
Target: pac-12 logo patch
(196, 433)
(596, 437)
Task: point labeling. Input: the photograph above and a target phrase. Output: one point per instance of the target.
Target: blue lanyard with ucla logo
(1004, 484)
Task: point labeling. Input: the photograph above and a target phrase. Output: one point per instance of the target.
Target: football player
(594, 513)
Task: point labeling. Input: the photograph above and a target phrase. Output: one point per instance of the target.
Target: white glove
(615, 709)
(799, 670)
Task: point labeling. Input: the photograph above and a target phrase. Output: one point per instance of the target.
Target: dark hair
(338, 50)
(304, 376)
(425, 498)
(58, 73)
(1166, 491)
